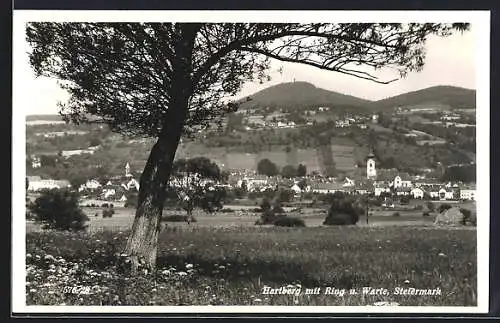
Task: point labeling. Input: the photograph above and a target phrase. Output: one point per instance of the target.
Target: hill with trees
(448, 96)
(300, 95)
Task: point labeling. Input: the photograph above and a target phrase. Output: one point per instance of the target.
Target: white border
(481, 22)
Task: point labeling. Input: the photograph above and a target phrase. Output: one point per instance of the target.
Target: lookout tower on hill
(371, 171)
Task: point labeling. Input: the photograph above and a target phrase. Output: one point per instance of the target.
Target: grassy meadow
(233, 265)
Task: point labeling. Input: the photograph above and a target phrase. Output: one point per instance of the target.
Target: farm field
(234, 266)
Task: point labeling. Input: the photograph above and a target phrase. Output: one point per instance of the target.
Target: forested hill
(445, 96)
(300, 95)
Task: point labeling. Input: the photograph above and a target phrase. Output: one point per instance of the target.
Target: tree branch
(323, 67)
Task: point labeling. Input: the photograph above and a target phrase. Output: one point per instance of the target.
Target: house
(402, 180)
(326, 188)
(380, 188)
(92, 184)
(36, 162)
(445, 194)
(296, 189)
(348, 182)
(403, 191)
(107, 193)
(468, 193)
(123, 198)
(132, 184)
(40, 184)
(417, 193)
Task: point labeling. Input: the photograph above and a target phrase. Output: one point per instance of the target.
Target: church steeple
(127, 170)
(371, 171)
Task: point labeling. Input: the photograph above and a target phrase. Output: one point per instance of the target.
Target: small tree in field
(164, 80)
(194, 183)
(59, 209)
(342, 211)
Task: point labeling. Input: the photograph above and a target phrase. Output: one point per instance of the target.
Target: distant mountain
(440, 96)
(300, 95)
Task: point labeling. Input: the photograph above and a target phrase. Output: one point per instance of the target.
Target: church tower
(371, 171)
(127, 170)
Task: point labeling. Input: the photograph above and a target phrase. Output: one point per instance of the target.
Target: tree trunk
(142, 244)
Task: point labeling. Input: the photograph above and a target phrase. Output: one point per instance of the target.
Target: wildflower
(189, 266)
(28, 255)
(257, 300)
(222, 267)
(48, 257)
(182, 273)
(407, 281)
(166, 272)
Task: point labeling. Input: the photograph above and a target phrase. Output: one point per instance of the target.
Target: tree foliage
(194, 182)
(267, 167)
(59, 209)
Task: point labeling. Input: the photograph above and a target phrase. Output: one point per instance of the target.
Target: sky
(449, 61)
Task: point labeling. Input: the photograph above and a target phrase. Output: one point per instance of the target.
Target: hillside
(438, 96)
(44, 117)
(300, 95)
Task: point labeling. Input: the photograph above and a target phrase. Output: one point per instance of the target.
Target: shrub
(59, 210)
(396, 214)
(97, 214)
(430, 206)
(268, 217)
(426, 213)
(468, 217)
(265, 205)
(443, 207)
(111, 205)
(286, 221)
(105, 205)
(108, 213)
(342, 212)
(176, 218)
(132, 201)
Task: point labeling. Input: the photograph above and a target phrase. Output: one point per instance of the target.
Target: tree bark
(142, 244)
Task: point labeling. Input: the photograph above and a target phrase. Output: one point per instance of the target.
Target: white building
(417, 193)
(445, 194)
(35, 183)
(371, 171)
(92, 184)
(468, 194)
(296, 189)
(402, 181)
(36, 162)
(381, 188)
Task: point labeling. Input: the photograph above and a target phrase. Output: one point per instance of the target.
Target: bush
(426, 214)
(469, 218)
(443, 207)
(105, 205)
(265, 205)
(59, 210)
(268, 217)
(108, 213)
(132, 201)
(97, 214)
(176, 218)
(396, 214)
(430, 206)
(343, 210)
(286, 221)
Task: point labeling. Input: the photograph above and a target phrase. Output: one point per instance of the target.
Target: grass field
(233, 265)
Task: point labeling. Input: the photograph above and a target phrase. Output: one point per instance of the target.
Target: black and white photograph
(250, 161)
